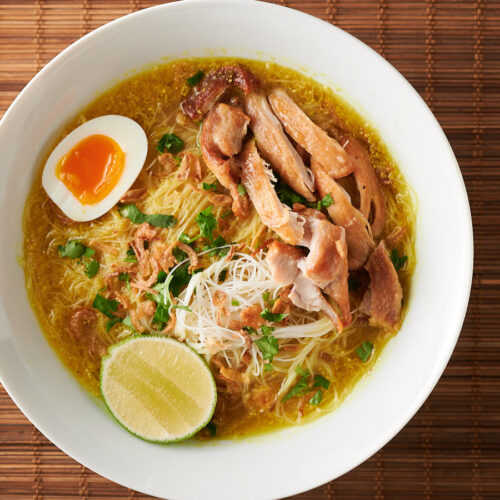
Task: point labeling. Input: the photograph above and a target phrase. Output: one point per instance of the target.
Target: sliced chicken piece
(312, 138)
(284, 261)
(275, 146)
(358, 235)
(221, 135)
(256, 180)
(382, 300)
(326, 264)
(213, 85)
(371, 195)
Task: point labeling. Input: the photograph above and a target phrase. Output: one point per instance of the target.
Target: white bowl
(295, 459)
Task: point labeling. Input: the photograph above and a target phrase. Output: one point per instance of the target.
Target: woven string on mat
(450, 51)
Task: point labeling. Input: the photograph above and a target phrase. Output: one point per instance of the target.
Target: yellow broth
(152, 98)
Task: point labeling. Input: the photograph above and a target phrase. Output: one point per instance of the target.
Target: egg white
(132, 140)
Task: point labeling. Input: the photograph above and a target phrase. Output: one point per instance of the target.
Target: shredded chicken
(211, 88)
(284, 262)
(222, 132)
(273, 213)
(327, 151)
(275, 146)
(326, 264)
(133, 195)
(190, 168)
(358, 232)
(372, 199)
(382, 300)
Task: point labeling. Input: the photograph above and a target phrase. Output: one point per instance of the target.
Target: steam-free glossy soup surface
(57, 285)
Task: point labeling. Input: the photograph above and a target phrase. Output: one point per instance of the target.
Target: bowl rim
(459, 316)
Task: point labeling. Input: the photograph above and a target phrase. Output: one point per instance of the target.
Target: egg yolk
(91, 169)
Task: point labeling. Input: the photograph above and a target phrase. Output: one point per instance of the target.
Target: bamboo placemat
(450, 51)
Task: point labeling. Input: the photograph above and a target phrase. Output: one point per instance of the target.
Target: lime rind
(132, 338)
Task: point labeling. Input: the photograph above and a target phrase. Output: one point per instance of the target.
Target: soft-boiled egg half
(94, 166)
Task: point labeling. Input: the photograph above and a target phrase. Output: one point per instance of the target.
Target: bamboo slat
(450, 51)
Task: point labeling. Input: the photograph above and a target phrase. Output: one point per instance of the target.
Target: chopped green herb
(250, 330)
(327, 201)
(184, 308)
(92, 267)
(301, 387)
(128, 322)
(300, 371)
(180, 278)
(398, 261)
(131, 257)
(222, 275)
(207, 223)
(226, 214)
(75, 250)
(269, 301)
(170, 143)
(193, 80)
(273, 317)
(161, 314)
(316, 399)
(353, 284)
(268, 345)
(179, 254)
(287, 195)
(266, 330)
(210, 187)
(125, 277)
(89, 252)
(268, 367)
(320, 381)
(212, 428)
(235, 303)
(138, 217)
(111, 323)
(364, 351)
(216, 245)
(241, 190)
(162, 276)
(106, 306)
(184, 238)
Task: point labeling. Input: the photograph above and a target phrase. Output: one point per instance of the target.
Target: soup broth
(152, 98)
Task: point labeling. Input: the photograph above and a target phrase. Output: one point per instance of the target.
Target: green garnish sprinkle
(364, 351)
(397, 260)
(193, 80)
(137, 217)
(170, 143)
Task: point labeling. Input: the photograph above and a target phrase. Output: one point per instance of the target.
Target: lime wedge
(157, 388)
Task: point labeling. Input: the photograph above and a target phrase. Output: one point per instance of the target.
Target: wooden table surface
(450, 51)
